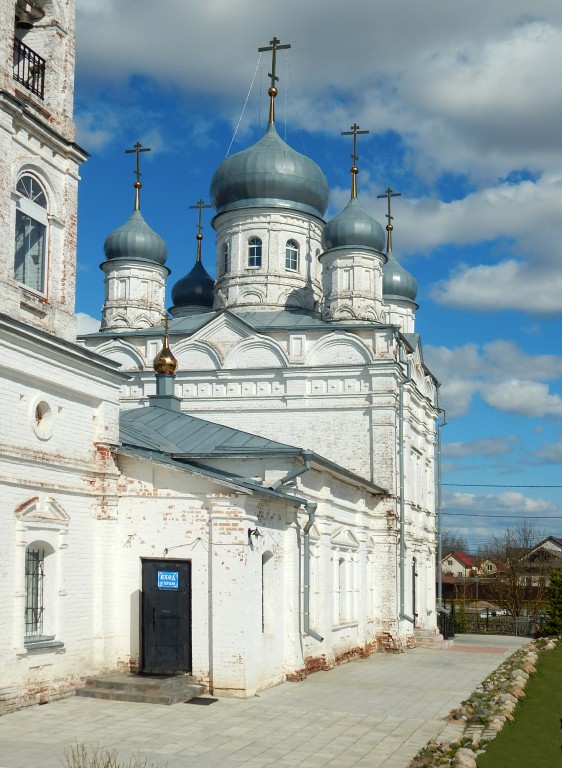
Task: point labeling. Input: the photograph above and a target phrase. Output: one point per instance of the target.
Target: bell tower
(39, 162)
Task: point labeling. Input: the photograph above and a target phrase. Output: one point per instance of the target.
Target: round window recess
(42, 420)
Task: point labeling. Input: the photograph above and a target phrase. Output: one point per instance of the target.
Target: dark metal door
(166, 616)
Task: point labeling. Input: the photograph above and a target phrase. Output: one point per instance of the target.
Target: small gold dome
(165, 362)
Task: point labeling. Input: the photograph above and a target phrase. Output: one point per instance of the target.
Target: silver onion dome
(397, 283)
(353, 228)
(135, 241)
(269, 173)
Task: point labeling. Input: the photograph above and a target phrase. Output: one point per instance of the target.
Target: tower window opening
(254, 252)
(291, 255)
(225, 259)
(31, 235)
(29, 68)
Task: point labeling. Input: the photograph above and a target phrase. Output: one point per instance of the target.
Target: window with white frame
(291, 255)
(254, 252)
(40, 600)
(30, 263)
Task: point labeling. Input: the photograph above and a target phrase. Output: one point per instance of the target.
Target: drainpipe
(306, 457)
(439, 510)
(310, 507)
(401, 463)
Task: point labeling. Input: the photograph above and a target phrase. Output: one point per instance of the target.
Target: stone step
(138, 697)
(428, 639)
(148, 689)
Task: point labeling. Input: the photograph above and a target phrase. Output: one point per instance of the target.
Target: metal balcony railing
(29, 68)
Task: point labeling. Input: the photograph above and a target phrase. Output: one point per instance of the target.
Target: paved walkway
(370, 713)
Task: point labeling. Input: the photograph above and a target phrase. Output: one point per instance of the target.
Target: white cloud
(86, 324)
(480, 517)
(93, 130)
(513, 502)
(504, 375)
(551, 453)
(510, 285)
(491, 446)
(524, 398)
(470, 88)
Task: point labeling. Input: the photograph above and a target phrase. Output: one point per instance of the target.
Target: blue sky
(463, 107)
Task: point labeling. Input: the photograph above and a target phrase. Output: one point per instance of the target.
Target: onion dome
(269, 173)
(135, 241)
(196, 289)
(195, 292)
(353, 228)
(165, 363)
(397, 283)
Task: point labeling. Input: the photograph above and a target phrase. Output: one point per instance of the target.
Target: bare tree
(452, 542)
(519, 586)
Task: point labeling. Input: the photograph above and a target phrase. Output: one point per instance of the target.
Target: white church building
(244, 493)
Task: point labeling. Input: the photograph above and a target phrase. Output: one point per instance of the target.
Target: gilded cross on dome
(274, 46)
(354, 156)
(137, 149)
(388, 194)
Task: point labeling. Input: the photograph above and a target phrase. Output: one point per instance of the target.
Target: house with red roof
(457, 563)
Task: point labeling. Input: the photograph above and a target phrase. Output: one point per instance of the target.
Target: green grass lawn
(534, 740)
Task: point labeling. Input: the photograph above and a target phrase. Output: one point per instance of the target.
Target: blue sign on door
(168, 580)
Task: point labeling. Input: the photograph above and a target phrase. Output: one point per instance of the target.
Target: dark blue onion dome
(269, 173)
(135, 241)
(353, 228)
(196, 289)
(397, 283)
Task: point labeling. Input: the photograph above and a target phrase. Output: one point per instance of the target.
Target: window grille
(34, 577)
(225, 260)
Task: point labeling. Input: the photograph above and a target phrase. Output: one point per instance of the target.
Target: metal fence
(522, 626)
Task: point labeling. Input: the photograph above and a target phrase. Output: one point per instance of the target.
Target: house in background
(458, 564)
(490, 566)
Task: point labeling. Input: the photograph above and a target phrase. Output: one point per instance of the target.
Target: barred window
(254, 252)
(225, 259)
(34, 580)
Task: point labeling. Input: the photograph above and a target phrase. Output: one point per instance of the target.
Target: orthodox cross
(388, 194)
(137, 149)
(354, 169)
(272, 91)
(200, 204)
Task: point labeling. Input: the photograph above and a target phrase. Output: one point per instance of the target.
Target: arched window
(291, 255)
(225, 259)
(31, 234)
(254, 252)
